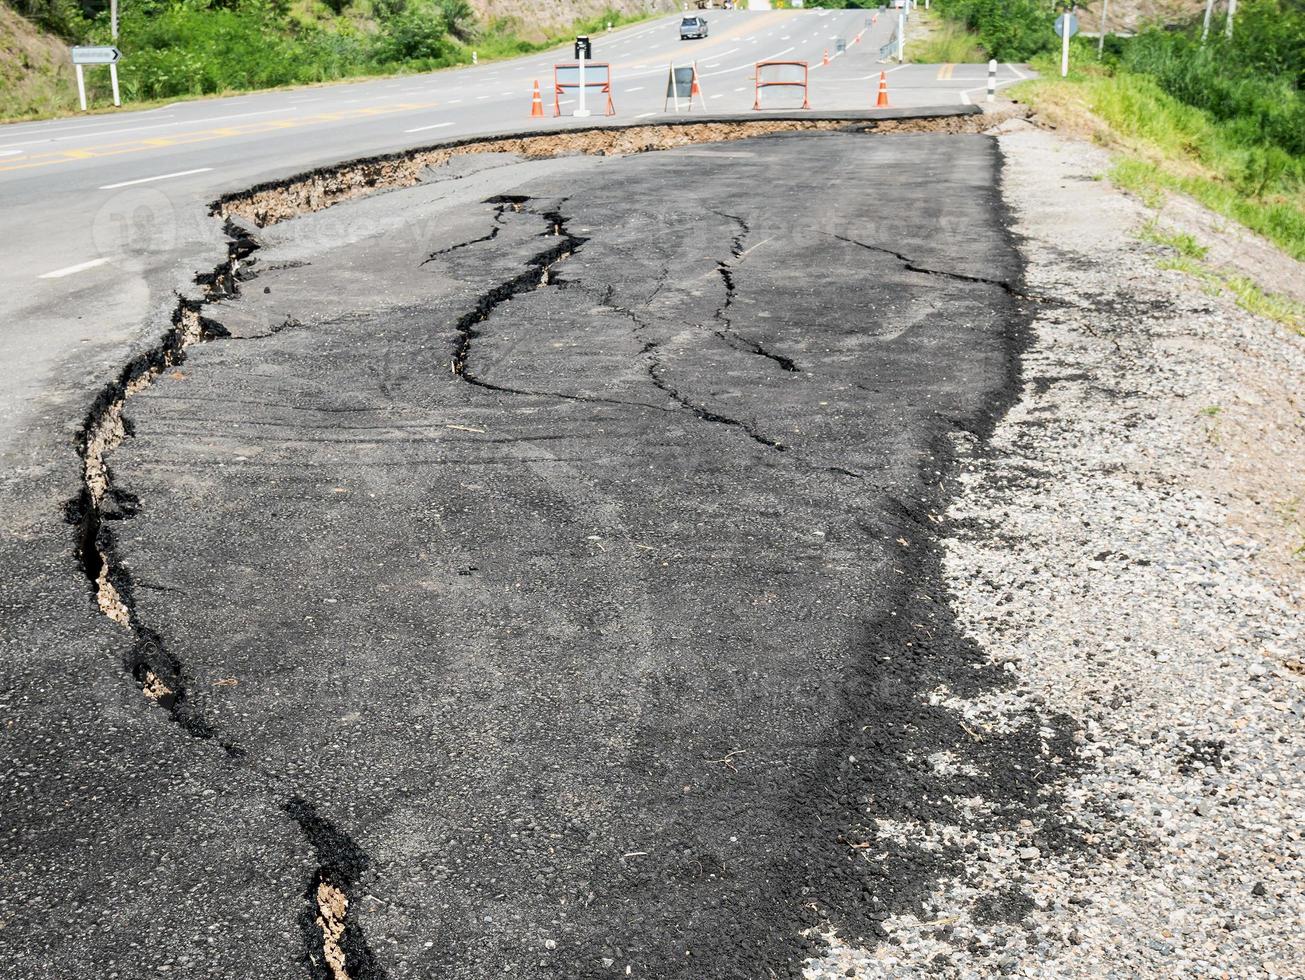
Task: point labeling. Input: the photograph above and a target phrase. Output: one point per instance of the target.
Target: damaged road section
(600, 680)
(277, 201)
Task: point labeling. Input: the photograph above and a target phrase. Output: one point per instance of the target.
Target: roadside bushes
(1229, 81)
(198, 47)
(1009, 30)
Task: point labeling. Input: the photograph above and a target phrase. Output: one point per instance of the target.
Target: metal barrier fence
(597, 77)
(781, 74)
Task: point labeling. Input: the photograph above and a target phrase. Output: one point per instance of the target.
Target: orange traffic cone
(536, 103)
(826, 61)
(874, 19)
(882, 101)
(695, 90)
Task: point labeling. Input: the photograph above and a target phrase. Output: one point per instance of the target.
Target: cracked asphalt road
(562, 539)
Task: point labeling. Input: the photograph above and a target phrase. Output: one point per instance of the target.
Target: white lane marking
(637, 88)
(482, 98)
(750, 64)
(741, 88)
(645, 115)
(786, 37)
(454, 101)
(146, 180)
(1018, 73)
(73, 269)
(717, 96)
(965, 99)
(11, 153)
(422, 129)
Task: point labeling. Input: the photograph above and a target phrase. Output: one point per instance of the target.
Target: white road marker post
(901, 34)
(992, 79)
(1205, 25)
(1064, 52)
(113, 77)
(1066, 27)
(1232, 12)
(81, 86)
(1101, 35)
(581, 110)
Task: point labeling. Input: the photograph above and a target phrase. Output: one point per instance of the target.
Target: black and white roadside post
(1101, 35)
(1232, 12)
(106, 55)
(583, 52)
(1066, 27)
(1205, 24)
(992, 79)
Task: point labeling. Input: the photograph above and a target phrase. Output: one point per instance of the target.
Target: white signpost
(1066, 27)
(106, 55)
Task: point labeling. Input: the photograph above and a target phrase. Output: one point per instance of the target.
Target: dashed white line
(637, 88)
(73, 269)
(420, 129)
(146, 180)
(645, 115)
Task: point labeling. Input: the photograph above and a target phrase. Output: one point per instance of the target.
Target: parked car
(691, 27)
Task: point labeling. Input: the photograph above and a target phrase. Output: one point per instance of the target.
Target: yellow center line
(945, 72)
(52, 157)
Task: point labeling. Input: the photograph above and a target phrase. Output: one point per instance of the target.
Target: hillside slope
(36, 75)
(175, 49)
(539, 19)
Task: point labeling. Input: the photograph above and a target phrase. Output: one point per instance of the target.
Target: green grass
(1166, 145)
(1247, 294)
(946, 43)
(1181, 242)
(182, 51)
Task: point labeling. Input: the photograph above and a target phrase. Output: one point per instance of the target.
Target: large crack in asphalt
(726, 269)
(342, 952)
(539, 273)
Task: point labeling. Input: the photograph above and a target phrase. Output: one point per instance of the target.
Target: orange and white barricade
(597, 81)
(781, 74)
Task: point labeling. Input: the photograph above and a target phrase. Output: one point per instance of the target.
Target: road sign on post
(1066, 27)
(102, 55)
(682, 83)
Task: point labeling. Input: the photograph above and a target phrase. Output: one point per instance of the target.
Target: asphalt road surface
(540, 559)
(103, 216)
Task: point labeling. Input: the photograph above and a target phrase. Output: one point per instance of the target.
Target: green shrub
(1009, 30)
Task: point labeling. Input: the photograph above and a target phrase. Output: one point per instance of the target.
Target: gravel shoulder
(1127, 547)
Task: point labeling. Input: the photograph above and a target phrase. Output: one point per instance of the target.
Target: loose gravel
(1127, 545)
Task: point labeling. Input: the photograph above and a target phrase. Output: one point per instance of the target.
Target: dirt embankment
(35, 70)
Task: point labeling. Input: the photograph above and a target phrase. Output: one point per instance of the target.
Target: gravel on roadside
(1128, 546)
